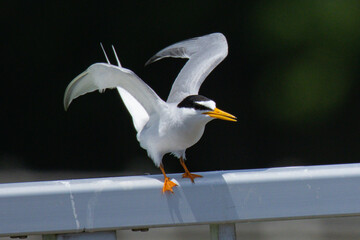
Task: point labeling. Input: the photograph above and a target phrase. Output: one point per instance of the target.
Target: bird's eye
(192, 101)
(194, 105)
(201, 107)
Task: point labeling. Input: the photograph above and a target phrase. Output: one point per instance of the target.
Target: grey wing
(204, 54)
(101, 76)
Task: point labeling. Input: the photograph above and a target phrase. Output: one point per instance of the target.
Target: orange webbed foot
(192, 176)
(168, 185)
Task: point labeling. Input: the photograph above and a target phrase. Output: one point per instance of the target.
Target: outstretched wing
(139, 116)
(101, 76)
(204, 54)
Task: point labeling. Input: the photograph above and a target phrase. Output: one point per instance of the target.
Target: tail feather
(107, 59)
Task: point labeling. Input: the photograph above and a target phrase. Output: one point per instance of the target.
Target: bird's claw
(192, 176)
(168, 185)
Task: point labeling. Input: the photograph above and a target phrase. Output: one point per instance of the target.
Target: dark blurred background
(291, 77)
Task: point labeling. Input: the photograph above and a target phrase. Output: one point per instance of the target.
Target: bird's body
(163, 127)
(171, 131)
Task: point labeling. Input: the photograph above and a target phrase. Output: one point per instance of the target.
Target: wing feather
(101, 76)
(204, 54)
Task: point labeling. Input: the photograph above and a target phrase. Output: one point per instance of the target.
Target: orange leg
(168, 184)
(187, 174)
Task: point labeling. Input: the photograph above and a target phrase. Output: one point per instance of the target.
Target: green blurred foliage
(309, 49)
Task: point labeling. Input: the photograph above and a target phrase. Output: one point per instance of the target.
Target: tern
(163, 127)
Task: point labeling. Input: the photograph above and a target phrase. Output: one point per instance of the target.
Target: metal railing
(96, 208)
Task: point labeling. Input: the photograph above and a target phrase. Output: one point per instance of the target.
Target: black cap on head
(192, 102)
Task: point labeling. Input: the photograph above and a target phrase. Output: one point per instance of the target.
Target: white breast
(173, 130)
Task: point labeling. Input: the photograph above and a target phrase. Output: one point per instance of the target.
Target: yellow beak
(219, 114)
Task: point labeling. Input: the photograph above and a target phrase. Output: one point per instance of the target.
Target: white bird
(163, 127)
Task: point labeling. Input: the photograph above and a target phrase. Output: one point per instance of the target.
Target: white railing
(96, 208)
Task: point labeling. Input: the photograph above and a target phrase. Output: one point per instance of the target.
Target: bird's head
(205, 108)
